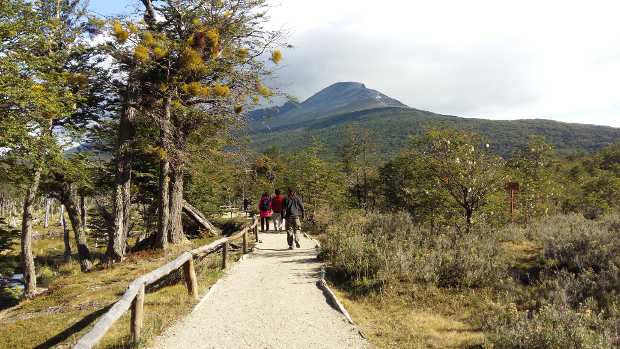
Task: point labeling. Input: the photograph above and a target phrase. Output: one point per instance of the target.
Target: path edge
(323, 285)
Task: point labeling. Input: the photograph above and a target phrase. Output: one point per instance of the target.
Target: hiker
(264, 206)
(276, 206)
(293, 212)
(246, 202)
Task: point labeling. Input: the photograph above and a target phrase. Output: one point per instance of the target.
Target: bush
(553, 326)
(9, 297)
(581, 258)
(390, 247)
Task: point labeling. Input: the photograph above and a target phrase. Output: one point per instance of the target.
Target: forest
(133, 127)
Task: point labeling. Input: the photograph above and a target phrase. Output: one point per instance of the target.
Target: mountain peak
(337, 98)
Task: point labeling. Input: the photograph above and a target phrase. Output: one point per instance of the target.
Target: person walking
(293, 212)
(264, 206)
(276, 206)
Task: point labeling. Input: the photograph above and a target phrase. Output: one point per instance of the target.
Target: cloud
(488, 59)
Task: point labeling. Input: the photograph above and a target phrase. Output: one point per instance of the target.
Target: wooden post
(256, 232)
(190, 278)
(245, 242)
(137, 312)
(224, 254)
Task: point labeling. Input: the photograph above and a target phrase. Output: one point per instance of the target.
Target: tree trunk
(199, 217)
(30, 278)
(161, 239)
(175, 225)
(47, 213)
(70, 201)
(83, 211)
(66, 238)
(117, 241)
(468, 214)
(62, 212)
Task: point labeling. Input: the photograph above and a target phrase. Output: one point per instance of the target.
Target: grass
(75, 300)
(418, 317)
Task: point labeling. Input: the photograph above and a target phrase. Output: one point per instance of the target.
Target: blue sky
(551, 59)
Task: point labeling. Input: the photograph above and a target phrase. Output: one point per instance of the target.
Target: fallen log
(199, 217)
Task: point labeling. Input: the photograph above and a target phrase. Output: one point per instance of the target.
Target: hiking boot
(297, 244)
(290, 247)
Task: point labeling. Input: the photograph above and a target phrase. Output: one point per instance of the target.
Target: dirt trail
(270, 300)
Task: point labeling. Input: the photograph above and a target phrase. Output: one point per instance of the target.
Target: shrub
(553, 326)
(390, 247)
(9, 297)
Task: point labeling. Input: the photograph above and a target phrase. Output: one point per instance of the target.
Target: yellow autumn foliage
(221, 90)
(238, 109)
(160, 52)
(192, 60)
(213, 36)
(276, 56)
(141, 53)
(37, 88)
(120, 33)
(193, 88)
(264, 90)
(243, 53)
(148, 40)
(132, 28)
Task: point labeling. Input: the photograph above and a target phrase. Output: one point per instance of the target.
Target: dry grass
(74, 300)
(418, 317)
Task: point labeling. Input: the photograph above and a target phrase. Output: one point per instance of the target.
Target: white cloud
(495, 59)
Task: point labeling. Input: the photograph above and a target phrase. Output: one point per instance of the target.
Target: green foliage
(392, 126)
(8, 238)
(532, 167)
(9, 297)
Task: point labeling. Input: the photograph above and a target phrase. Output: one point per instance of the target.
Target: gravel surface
(270, 300)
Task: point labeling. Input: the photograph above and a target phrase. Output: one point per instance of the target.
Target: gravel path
(270, 300)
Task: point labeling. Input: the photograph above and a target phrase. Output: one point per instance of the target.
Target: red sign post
(512, 186)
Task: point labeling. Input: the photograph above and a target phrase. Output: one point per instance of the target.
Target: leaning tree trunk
(117, 241)
(175, 225)
(71, 203)
(161, 239)
(30, 278)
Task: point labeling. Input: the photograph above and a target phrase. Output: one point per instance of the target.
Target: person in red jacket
(276, 206)
(264, 206)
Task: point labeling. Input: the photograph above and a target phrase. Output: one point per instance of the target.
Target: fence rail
(134, 294)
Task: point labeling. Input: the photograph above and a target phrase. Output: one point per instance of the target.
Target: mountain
(339, 98)
(330, 112)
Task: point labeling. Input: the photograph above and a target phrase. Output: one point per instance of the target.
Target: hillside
(331, 111)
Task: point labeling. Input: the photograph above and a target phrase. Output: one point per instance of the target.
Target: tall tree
(46, 92)
(199, 63)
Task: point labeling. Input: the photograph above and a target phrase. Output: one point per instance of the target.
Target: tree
(532, 166)
(39, 91)
(197, 67)
(461, 165)
(358, 157)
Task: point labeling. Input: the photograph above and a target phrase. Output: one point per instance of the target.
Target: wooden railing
(134, 294)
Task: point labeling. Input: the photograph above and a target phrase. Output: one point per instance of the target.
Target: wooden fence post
(224, 254)
(190, 278)
(256, 232)
(137, 312)
(245, 242)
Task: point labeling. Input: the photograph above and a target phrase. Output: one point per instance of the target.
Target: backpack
(264, 204)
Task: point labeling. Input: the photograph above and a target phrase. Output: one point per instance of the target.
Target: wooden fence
(134, 294)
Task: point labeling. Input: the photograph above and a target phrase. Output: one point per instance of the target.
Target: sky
(493, 59)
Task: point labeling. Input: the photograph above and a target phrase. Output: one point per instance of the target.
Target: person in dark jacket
(293, 212)
(264, 206)
(276, 206)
